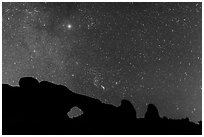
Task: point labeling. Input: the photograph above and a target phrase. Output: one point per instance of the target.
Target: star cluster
(143, 52)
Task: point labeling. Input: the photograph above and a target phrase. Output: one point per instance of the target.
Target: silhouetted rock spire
(152, 113)
(127, 109)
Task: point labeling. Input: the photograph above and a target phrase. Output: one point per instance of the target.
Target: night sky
(143, 52)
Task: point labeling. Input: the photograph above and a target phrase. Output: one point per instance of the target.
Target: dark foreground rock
(41, 108)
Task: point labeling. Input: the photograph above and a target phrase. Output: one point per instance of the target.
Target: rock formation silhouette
(41, 108)
(152, 113)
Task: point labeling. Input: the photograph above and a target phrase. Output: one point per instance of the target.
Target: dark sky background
(143, 52)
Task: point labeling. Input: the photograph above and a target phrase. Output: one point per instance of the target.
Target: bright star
(69, 26)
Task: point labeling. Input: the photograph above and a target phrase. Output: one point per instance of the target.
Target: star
(69, 26)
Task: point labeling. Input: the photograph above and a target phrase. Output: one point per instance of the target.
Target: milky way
(143, 52)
